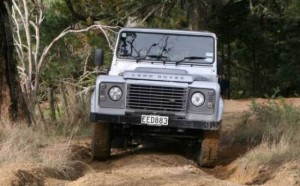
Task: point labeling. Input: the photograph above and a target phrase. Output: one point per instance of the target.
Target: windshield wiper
(156, 57)
(188, 58)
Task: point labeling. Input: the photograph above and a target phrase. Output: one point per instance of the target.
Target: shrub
(39, 146)
(273, 129)
(72, 111)
(76, 111)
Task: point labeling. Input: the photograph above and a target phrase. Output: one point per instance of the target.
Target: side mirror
(99, 59)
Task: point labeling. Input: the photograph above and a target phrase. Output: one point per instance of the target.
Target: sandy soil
(167, 164)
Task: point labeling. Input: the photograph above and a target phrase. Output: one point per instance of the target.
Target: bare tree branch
(30, 52)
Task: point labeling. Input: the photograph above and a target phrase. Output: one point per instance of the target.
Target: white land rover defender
(162, 83)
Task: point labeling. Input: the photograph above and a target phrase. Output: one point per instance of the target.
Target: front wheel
(208, 153)
(101, 141)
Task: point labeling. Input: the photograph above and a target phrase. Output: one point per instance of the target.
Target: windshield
(166, 47)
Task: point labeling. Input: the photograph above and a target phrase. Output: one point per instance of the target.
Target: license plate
(154, 120)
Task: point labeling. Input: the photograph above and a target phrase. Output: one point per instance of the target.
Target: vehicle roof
(170, 31)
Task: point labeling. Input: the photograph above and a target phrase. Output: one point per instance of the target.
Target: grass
(48, 144)
(37, 146)
(72, 110)
(270, 152)
(272, 131)
(22, 144)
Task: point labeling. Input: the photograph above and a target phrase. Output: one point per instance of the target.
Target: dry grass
(271, 130)
(267, 152)
(75, 106)
(74, 111)
(47, 146)
(20, 144)
(38, 147)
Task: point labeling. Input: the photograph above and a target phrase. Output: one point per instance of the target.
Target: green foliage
(272, 131)
(270, 122)
(294, 9)
(275, 94)
(56, 20)
(74, 52)
(264, 40)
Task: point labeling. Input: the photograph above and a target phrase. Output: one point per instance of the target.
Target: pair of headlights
(115, 93)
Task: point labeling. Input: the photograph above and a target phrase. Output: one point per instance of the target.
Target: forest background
(258, 43)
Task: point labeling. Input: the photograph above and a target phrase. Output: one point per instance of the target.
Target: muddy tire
(208, 153)
(101, 141)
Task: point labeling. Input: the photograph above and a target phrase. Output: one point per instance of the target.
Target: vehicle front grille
(156, 98)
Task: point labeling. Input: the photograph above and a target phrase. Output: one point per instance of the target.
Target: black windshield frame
(164, 47)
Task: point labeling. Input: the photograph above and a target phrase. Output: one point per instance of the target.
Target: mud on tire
(208, 153)
(101, 141)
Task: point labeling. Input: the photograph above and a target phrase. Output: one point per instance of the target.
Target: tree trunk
(51, 103)
(196, 15)
(12, 107)
(229, 68)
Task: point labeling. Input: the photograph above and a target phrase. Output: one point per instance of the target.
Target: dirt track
(168, 164)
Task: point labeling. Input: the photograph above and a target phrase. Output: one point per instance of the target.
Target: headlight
(115, 93)
(197, 99)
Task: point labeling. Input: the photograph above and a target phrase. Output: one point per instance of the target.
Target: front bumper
(173, 122)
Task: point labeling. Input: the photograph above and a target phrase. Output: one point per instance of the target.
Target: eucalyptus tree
(12, 107)
(32, 51)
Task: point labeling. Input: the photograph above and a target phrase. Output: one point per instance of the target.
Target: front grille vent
(156, 98)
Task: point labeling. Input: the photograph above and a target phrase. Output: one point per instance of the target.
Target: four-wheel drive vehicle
(162, 83)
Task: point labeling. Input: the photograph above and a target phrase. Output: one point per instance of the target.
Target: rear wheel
(208, 153)
(101, 141)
